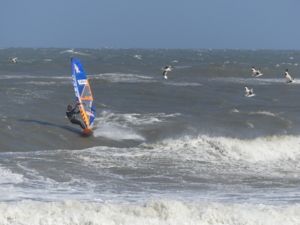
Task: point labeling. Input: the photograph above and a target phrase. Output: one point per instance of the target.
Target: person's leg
(79, 122)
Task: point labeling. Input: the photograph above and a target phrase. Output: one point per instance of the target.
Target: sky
(214, 24)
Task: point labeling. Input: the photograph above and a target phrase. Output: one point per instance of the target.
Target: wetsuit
(72, 117)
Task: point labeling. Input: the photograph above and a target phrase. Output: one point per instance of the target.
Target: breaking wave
(151, 213)
(262, 149)
(117, 126)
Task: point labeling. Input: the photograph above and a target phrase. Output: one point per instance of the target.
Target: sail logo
(82, 82)
(77, 70)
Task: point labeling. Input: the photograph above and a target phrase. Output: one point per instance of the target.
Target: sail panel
(83, 93)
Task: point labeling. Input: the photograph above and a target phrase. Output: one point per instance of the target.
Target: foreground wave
(187, 167)
(151, 213)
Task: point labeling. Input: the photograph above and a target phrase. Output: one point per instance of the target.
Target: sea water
(188, 150)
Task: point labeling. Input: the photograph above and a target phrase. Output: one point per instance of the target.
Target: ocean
(188, 150)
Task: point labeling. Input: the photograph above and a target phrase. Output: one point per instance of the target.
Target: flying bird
(166, 69)
(249, 92)
(256, 72)
(288, 77)
(14, 60)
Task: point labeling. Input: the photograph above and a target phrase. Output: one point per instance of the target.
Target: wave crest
(262, 149)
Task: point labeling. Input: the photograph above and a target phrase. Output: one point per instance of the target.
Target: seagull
(256, 72)
(14, 60)
(166, 70)
(249, 92)
(139, 57)
(288, 77)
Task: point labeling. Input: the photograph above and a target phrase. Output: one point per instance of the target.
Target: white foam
(270, 114)
(273, 149)
(184, 84)
(118, 126)
(123, 78)
(152, 213)
(259, 153)
(234, 110)
(117, 132)
(72, 51)
(30, 77)
(249, 81)
(264, 113)
(8, 177)
(4, 77)
(139, 57)
(134, 118)
(41, 83)
(251, 125)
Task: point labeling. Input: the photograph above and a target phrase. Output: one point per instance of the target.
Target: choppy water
(188, 150)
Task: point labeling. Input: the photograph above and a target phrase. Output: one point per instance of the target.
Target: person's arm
(76, 108)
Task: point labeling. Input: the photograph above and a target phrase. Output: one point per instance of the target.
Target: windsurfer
(71, 114)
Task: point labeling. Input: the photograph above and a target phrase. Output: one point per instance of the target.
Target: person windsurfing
(71, 114)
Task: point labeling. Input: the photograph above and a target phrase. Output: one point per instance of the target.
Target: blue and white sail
(83, 93)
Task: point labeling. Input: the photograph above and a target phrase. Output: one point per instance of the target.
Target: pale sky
(217, 24)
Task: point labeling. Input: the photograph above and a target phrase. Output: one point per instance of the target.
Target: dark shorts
(79, 122)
